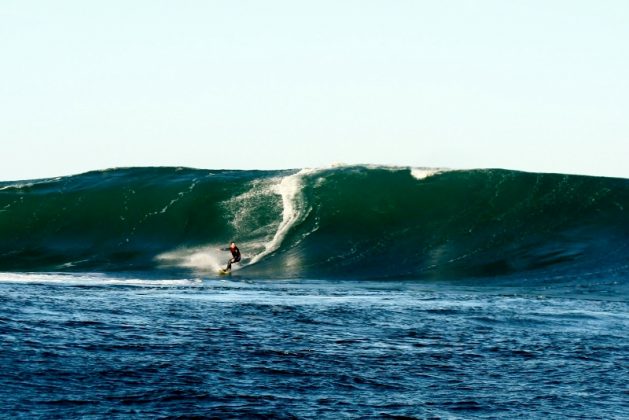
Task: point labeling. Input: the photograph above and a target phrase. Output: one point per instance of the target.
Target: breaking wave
(354, 222)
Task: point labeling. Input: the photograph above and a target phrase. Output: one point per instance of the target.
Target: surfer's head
(232, 244)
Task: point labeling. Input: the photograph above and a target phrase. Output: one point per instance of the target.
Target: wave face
(348, 222)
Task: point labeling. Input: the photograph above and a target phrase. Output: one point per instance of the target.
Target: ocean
(364, 292)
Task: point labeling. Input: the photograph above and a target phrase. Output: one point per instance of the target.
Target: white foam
(294, 210)
(17, 186)
(423, 173)
(90, 279)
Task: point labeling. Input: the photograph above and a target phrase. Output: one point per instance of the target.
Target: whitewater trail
(294, 210)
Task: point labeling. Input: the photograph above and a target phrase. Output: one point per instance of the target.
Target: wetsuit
(235, 257)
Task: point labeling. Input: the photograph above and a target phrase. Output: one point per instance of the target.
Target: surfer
(235, 255)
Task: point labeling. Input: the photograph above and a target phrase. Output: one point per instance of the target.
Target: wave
(359, 222)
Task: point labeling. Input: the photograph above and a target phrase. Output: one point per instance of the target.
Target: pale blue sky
(532, 85)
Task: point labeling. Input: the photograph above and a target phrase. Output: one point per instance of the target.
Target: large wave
(354, 222)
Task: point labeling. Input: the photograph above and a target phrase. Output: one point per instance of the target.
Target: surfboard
(224, 272)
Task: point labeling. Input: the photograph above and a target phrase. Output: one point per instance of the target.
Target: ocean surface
(364, 292)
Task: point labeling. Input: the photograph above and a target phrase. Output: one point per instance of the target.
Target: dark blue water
(94, 346)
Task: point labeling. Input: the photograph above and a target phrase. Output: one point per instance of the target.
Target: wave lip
(344, 221)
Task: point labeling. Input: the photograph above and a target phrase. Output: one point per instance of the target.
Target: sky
(531, 85)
